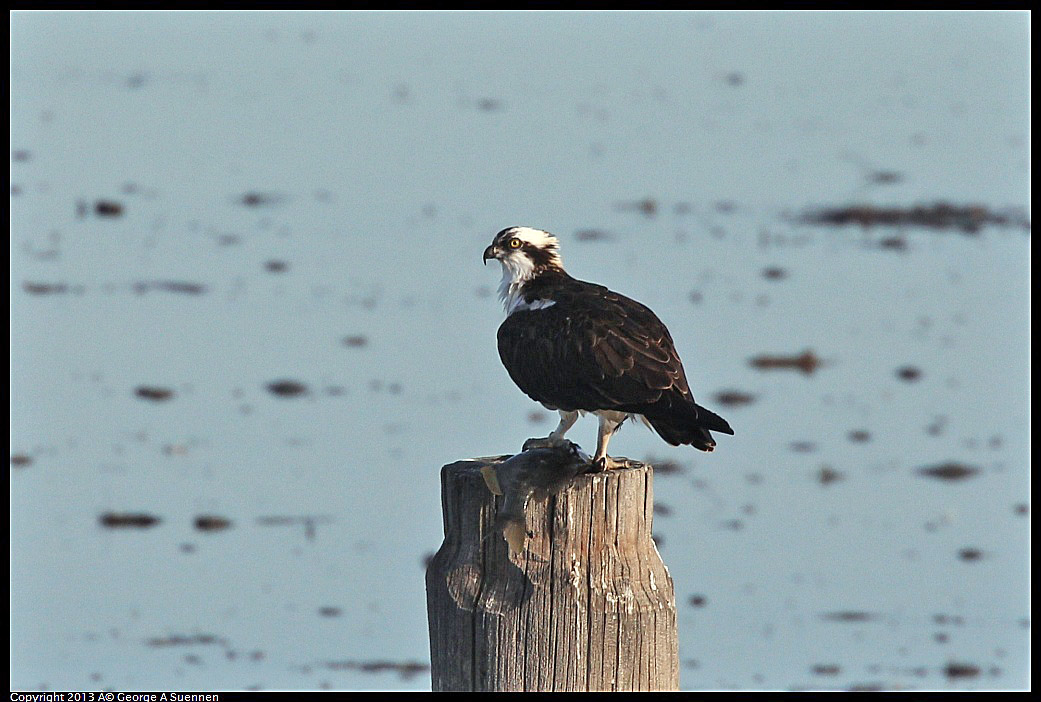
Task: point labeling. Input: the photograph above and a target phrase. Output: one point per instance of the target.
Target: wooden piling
(588, 605)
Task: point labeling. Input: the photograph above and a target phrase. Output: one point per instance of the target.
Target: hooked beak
(489, 253)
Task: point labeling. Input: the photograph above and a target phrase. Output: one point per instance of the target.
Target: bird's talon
(606, 463)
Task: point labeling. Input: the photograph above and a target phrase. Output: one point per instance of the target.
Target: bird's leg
(601, 461)
(567, 420)
(556, 437)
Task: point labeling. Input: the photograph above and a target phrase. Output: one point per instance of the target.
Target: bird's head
(524, 252)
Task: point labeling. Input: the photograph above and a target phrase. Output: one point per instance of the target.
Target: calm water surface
(305, 197)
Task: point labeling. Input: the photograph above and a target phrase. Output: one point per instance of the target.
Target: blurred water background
(249, 323)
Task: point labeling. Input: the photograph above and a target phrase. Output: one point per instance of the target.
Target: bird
(577, 347)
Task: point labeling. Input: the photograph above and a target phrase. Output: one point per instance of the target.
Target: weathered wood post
(586, 605)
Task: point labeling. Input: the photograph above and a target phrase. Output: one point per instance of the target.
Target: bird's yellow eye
(515, 243)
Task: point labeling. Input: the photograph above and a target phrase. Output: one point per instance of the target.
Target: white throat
(516, 271)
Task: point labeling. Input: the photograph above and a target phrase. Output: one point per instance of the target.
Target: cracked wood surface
(588, 605)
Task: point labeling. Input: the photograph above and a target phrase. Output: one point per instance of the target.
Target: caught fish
(537, 471)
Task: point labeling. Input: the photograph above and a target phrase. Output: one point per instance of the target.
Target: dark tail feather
(711, 420)
(685, 428)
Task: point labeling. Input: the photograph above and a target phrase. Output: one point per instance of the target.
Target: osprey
(578, 347)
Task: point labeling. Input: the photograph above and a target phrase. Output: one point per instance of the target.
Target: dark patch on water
(211, 522)
(968, 219)
(356, 341)
(935, 428)
(885, 177)
(593, 235)
(697, 601)
(859, 436)
(45, 288)
(287, 388)
(869, 687)
(850, 616)
(734, 398)
(949, 471)
(309, 522)
(734, 79)
(955, 670)
(909, 374)
(185, 640)
(406, 670)
(666, 467)
(172, 286)
(154, 393)
(648, 206)
(276, 266)
(128, 520)
(490, 105)
(21, 460)
(828, 475)
(802, 446)
(774, 273)
(892, 243)
(227, 239)
(108, 208)
(807, 362)
(260, 199)
(825, 669)
(329, 611)
(136, 81)
(970, 554)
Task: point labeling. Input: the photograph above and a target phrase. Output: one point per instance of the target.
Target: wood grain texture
(588, 606)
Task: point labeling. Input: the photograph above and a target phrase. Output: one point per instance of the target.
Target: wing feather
(593, 349)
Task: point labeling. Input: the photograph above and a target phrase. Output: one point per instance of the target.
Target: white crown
(535, 237)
